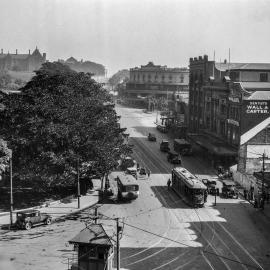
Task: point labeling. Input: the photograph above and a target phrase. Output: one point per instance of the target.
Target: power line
(178, 242)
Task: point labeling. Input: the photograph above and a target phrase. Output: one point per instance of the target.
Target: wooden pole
(78, 183)
(117, 245)
(11, 190)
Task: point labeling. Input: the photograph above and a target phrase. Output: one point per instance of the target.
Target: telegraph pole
(11, 191)
(78, 183)
(117, 245)
(263, 169)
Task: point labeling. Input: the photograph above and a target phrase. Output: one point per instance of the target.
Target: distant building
(157, 82)
(22, 62)
(220, 120)
(97, 70)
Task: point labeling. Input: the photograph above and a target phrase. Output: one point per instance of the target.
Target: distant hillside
(85, 66)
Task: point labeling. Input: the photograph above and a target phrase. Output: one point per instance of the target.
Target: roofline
(254, 131)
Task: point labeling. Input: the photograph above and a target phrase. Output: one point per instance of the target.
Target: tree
(5, 78)
(61, 118)
(118, 77)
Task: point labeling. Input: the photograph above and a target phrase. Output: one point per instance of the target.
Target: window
(182, 79)
(170, 77)
(263, 77)
(156, 77)
(163, 77)
(143, 77)
(149, 77)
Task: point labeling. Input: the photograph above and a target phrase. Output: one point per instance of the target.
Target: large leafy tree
(62, 119)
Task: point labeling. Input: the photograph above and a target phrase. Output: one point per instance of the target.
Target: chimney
(225, 61)
(29, 52)
(16, 51)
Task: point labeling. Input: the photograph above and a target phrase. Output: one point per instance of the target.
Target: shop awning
(213, 145)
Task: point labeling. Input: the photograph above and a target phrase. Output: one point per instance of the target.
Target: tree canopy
(61, 118)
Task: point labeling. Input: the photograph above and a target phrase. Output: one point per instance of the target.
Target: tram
(189, 186)
(128, 188)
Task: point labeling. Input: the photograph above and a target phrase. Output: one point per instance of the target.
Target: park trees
(61, 119)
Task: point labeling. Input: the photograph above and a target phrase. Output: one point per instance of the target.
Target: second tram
(189, 186)
(128, 188)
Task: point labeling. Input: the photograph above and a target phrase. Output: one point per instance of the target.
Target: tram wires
(178, 242)
(181, 243)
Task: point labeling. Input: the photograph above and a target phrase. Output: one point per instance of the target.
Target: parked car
(28, 218)
(229, 190)
(182, 146)
(162, 128)
(132, 171)
(152, 137)
(164, 146)
(211, 186)
(174, 157)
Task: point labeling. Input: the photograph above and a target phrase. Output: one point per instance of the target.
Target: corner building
(218, 96)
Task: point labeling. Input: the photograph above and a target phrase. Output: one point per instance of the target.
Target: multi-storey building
(218, 92)
(155, 81)
(22, 62)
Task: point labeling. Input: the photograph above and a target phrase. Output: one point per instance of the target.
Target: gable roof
(254, 131)
(92, 235)
(260, 95)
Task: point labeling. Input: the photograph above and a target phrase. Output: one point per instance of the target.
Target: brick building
(218, 92)
(157, 82)
(22, 62)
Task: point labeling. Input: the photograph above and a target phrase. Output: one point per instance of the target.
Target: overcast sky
(127, 33)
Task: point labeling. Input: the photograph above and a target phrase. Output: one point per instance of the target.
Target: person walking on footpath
(149, 173)
(245, 194)
(205, 195)
(169, 183)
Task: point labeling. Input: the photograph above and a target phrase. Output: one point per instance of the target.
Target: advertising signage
(253, 113)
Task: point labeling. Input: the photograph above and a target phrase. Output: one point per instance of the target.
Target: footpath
(61, 208)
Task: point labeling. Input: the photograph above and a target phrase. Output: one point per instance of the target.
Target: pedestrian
(205, 195)
(169, 183)
(149, 173)
(245, 194)
(262, 203)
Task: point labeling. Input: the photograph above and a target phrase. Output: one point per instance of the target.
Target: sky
(122, 34)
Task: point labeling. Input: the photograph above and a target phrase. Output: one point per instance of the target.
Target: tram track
(172, 213)
(214, 248)
(227, 247)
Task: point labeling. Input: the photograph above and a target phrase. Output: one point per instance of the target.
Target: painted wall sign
(257, 107)
(253, 113)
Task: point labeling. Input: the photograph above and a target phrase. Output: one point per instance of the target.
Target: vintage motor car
(164, 146)
(28, 218)
(132, 171)
(211, 186)
(152, 137)
(229, 189)
(174, 158)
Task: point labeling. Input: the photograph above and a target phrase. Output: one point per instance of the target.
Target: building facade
(157, 82)
(217, 95)
(22, 62)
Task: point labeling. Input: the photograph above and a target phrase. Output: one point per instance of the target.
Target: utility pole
(117, 244)
(78, 183)
(96, 215)
(11, 191)
(263, 169)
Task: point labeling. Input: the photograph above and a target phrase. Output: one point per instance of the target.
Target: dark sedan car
(152, 137)
(28, 218)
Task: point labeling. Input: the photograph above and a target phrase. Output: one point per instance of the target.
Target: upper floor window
(170, 77)
(163, 77)
(263, 77)
(182, 79)
(156, 77)
(149, 77)
(143, 77)
(138, 77)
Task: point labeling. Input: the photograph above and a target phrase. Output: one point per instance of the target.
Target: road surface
(159, 230)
